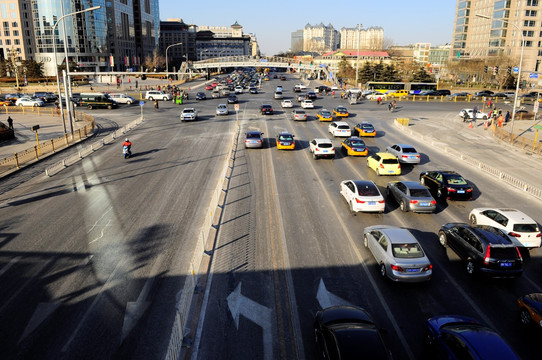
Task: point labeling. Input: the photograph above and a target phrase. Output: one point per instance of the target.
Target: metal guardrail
(503, 176)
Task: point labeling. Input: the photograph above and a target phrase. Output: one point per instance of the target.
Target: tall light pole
(167, 64)
(66, 54)
(357, 61)
(519, 71)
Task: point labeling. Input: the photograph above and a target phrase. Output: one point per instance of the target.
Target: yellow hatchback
(384, 163)
(324, 115)
(285, 141)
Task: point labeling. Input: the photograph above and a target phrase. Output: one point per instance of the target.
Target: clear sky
(404, 21)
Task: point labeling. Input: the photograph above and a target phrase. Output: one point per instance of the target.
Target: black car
(430, 93)
(447, 185)
(311, 95)
(46, 96)
(348, 332)
(484, 93)
(487, 250)
(267, 109)
(253, 90)
(201, 96)
(232, 99)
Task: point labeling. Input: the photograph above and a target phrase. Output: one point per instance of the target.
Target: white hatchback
(287, 104)
(362, 195)
(340, 128)
(516, 224)
(307, 104)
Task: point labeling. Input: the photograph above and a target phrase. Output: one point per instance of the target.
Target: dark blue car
(201, 96)
(461, 337)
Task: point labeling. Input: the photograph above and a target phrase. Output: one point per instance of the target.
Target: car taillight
(514, 234)
(469, 190)
(433, 202)
(316, 149)
(538, 235)
(451, 189)
(381, 201)
(486, 258)
(418, 156)
(428, 267)
(399, 166)
(413, 201)
(519, 254)
(396, 268)
(404, 156)
(360, 201)
(382, 166)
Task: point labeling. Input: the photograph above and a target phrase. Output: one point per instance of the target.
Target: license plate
(460, 191)
(372, 202)
(390, 171)
(424, 204)
(413, 270)
(325, 151)
(506, 264)
(412, 157)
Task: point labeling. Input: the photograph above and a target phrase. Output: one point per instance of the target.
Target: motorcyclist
(128, 144)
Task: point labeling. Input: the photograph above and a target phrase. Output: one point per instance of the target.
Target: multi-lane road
(93, 258)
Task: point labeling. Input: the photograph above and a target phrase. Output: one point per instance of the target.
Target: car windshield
(455, 180)
(419, 193)
(188, 111)
(526, 228)
(358, 143)
(367, 190)
(409, 250)
(285, 137)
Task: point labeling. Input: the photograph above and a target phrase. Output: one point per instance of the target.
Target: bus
(389, 87)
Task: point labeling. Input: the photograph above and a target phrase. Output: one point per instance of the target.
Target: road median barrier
(402, 121)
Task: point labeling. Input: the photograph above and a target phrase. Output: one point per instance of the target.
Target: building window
(529, 23)
(16, 42)
(8, 42)
(148, 6)
(532, 2)
(528, 43)
(530, 12)
(6, 32)
(528, 33)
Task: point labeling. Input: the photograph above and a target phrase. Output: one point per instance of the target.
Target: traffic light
(485, 69)
(495, 70)
(509, 70)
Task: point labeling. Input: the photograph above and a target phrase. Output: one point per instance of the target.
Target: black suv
(487, 250)
(267, 109)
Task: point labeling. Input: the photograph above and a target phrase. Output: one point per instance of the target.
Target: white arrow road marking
(257, 313)
(134, 310)
(327, 299)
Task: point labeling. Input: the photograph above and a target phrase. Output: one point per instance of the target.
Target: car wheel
(485, 117)
(129, 102)
(315, 156)
(352, 207)
(20, 105)
(473, 219)
(110, 107)
(365, 241)
(35, 105)
(378, 172)
(402, 206)
(525, 317)
(383, 270)
(442, 239)
(89, 107)
(470, 267)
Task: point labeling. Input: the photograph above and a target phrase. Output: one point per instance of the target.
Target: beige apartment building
(360, 38)
(479, 33)
(16, 33)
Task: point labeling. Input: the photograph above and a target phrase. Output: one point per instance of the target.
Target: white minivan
(122, 98)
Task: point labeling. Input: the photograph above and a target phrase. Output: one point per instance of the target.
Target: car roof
(362, 183)
(254, 132)
(322, 110)
(513, 214)
(323, 140)
(411, 184)
(404, 145)
(340, 122)
(492, 235)
(386, 155)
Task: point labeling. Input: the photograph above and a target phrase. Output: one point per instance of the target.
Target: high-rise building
(486, 37)
(320, 38)
(182, 36)
(117, 36)
(218, 41)
(297, 41)
(367, 39)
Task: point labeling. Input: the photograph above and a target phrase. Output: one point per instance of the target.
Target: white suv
(157, 95)
(322, 147)
(189, 114)
(340, 128)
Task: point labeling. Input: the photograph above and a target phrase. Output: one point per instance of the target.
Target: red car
(209, 87)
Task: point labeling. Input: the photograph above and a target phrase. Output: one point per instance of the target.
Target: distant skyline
(404, 22)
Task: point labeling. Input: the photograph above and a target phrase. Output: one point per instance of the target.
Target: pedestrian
(156, 105)
(474, 112)
(507, 116)
(465, 116)
(136, 84)
(10, 122)
(500, 120)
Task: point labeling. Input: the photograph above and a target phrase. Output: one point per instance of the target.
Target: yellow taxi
(5, 102)
(285, 141)
(398, 93)
(324, 115)
(384, 163)
(365, 129)
(340, 111)
(354, 146)
(529, 309)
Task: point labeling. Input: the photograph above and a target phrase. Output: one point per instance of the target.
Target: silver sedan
(411, 196)
(397, 253)
(406, 154)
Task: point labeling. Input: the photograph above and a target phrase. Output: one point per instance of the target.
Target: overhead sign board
(533, 76)
(516, 69)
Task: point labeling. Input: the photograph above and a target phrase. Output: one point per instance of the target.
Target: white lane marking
(327, 299)
(9, 265)
(257, 313)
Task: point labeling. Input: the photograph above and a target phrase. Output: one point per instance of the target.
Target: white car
(189, 114)
(362, 196)
(238, 89)
(321, 147)
(29, 101)
(515, 223)
(301, 86)
(222, 109)
(278, 95)
(479, 114)
(287, 104)
(122, 98)
(340, 128)
(157, 95)
(307, 104)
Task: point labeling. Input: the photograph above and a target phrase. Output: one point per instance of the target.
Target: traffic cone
(470, 125)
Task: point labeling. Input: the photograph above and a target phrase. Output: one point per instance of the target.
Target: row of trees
(383, 72)
(30, 68)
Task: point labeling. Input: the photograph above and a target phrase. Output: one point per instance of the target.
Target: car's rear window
(409, 250)
(526, 228)
(456, 180)
(368, 190)
(343, 127)
(325, 145)
(508, 252)
(285, 138)
(253, 136)
(409, 150)
(390, 161)
(419, 193)
(358, 143)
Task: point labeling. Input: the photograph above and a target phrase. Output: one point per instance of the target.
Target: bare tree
(155, 61)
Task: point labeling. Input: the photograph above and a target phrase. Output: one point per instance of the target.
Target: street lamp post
(55, 60)
(519, 71)
(357, 61)
(167, 64)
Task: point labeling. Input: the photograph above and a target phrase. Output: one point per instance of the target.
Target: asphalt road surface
(91, 259)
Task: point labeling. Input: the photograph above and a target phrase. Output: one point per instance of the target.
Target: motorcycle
(126, 151)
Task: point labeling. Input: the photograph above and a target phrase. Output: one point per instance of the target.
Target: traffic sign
(141, 103)
(236, 107)
(516, 69)
(538, 127)
(533, 76)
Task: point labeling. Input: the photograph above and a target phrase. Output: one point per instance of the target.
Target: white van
(122, 98)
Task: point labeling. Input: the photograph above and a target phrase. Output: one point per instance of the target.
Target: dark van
(97, 100)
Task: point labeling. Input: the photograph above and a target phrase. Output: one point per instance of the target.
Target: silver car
(254, 139)
(222, 109)
(397, 253)
(406, 154)
(411, 196)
